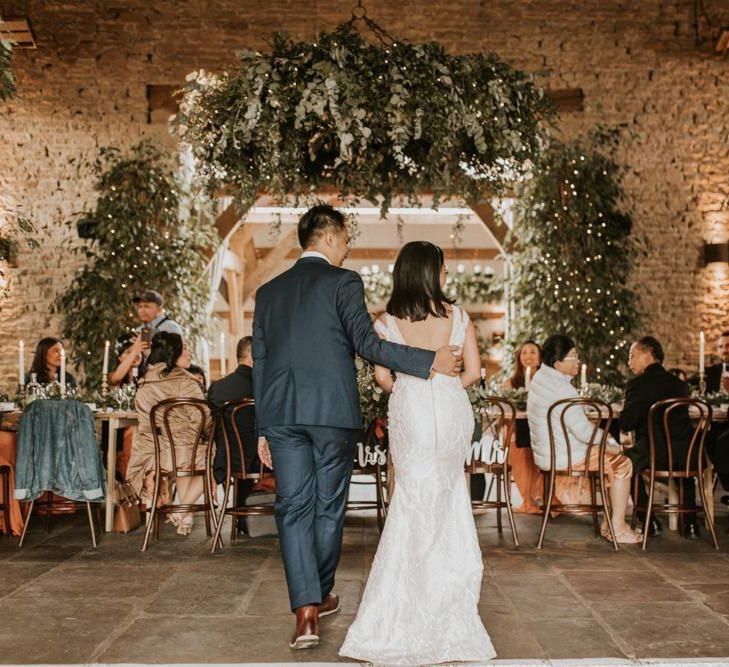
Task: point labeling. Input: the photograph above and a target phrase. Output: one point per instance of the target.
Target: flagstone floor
(63, 602)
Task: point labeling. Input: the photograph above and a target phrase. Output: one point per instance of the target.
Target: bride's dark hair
(416, 290)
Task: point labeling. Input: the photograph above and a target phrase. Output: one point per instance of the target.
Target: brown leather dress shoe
(306, 634)
(329, 605)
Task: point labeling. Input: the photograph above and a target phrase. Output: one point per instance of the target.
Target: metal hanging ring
(358, 11)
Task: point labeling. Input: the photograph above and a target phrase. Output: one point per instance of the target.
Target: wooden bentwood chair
(498, 420)
(596, 411)
(5, 503)
(227, 417)
(372, 461)
(160, 414)
(693, 467)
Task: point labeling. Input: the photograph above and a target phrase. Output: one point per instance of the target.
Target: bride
(420, 604)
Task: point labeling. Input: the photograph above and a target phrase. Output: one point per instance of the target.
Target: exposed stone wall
(85, 87)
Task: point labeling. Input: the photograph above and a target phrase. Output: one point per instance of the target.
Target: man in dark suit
(654, 383)
(309, 322)
(717, 376)
(234, 387)
(717, 442)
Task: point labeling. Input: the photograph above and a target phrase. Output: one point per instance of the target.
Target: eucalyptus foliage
(143, 239)
(13, 233)
(573, 253)
(7, 82)
(373, 121)
(462, 286)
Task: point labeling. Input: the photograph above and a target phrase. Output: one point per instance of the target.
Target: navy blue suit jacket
(307, 326)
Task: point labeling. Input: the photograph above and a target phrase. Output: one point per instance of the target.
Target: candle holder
(104, 385)
(702, 384)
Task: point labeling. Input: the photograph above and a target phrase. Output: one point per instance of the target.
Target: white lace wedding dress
(420, 604)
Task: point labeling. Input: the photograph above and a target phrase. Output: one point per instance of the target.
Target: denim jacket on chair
(57, 452)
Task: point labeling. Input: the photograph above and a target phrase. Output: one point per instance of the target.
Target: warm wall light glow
(717, 272)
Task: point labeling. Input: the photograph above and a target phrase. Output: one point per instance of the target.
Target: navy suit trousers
(313, 467)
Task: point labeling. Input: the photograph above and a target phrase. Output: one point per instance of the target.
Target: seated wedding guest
(128, 348)
(526, 475)
(552, 383)
(152, 315)
(654, 383)
(679, 373)
(166, 376)
(717, 376)
(199, 374)
(717, 440)
(528, 355)
(47, 363)
(237, 385)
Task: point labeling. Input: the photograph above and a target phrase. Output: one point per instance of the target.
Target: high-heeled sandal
(185, 526)
(628, 536)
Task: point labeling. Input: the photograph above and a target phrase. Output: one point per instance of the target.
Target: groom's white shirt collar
(313, 253)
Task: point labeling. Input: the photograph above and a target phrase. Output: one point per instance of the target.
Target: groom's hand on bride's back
(448, 360)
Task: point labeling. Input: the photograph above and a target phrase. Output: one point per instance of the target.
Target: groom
(309, 322)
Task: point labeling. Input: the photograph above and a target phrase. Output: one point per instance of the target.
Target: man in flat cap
(151, 313)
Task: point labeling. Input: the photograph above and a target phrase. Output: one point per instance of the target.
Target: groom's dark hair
(317, 220)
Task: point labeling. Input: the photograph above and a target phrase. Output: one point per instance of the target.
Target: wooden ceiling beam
(269, 264)
(496, 228)
(250, 256)
(226, 222)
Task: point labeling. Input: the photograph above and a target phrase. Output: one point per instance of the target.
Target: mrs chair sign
(373, 461)
(596, 411)
(491, 457)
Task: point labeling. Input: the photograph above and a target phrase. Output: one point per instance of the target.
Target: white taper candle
(63, 372)
(702, 345)
(105, 369)
(21, 363)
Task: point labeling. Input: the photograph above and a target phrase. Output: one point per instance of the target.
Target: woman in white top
(552, 383)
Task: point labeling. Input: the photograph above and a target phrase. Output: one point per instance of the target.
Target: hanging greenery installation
(7, 82)
(141, 238)
(371, 120)
(572, 253)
